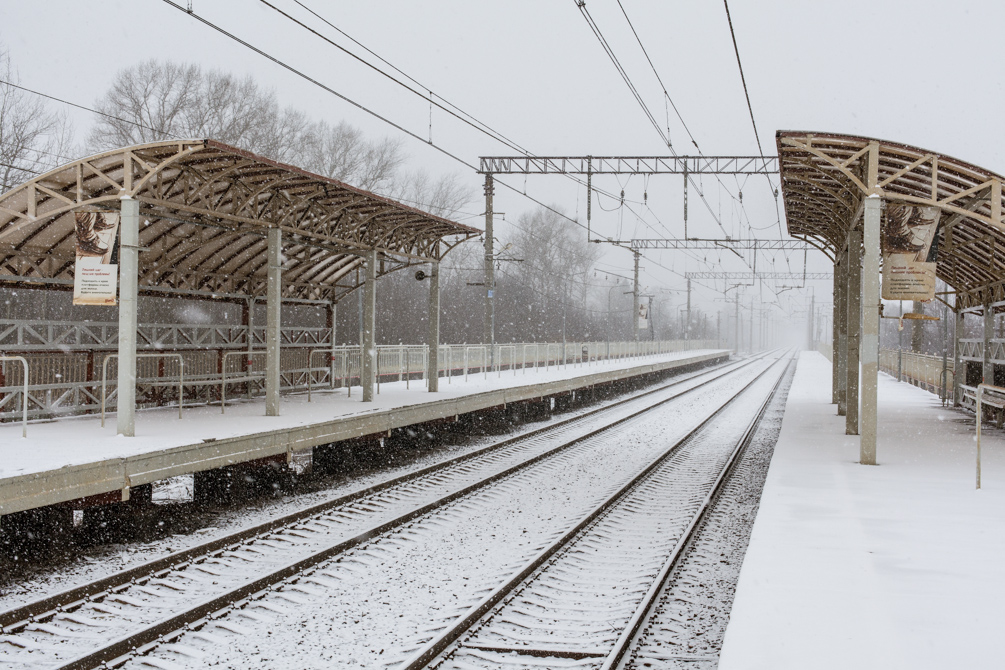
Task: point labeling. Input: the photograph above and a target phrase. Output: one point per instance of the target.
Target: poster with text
(910, 252)
(95, 277)
(643, 315)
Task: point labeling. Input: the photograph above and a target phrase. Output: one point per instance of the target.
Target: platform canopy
(826, 177)
(205, 208)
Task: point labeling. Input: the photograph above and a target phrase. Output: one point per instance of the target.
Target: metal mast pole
(490, 279)
(737, 323)
(687, 328)
(635, 299)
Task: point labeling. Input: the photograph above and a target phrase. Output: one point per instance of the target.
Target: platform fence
(65, 363)
(922, 370)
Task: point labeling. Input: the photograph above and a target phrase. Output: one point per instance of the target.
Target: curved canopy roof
(204, 211)
(825, 178)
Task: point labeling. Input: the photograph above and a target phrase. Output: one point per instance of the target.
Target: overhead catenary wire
(421, 90)
(750, 109)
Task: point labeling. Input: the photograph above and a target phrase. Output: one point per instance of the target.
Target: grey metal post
(917, 329)
(332, 317)
(945, 354)
(369, 345)
(957, 358)
(687, 328)
(841, 316)
(835, 300)
(125, 419)
(490, 277)
(988, 371)
(854, 301)
(737, 308)
(900, 344)
(433, 339)
(870, 330)
(251, 343)
(635, 299)
(809, 325)
(273, 312)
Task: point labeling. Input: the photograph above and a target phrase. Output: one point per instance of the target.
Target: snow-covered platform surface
(891, 566)
(75, 457)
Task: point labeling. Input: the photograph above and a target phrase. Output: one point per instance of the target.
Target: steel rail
(143, 641)
(629, 635)
(15, 619)
(439, 646)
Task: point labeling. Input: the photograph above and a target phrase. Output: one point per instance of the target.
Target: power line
(359, 106)
(750, 108)
(658, 78)
(89, 109)
(460, 114)
(736, 49)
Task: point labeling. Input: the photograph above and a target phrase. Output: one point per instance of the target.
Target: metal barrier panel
(67, 378)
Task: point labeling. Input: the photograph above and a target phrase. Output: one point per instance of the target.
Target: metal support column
(841, 316)
(331, 319)
(737, 324)
(368, 353)
(125, 418)
(249, 321)
(854, 301)
(810, 340)
(917, 329)
(273, 316)
(958, 364)
(635, 299)
(490, 278)
(433, 339)
(687, 328)
(835, 303)
(870, 330)
(988, 370)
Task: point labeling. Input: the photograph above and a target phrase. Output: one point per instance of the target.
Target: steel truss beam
(751, 276)
(628, 165)
(735, 245)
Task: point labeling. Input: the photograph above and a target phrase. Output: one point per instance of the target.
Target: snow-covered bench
(992, 401)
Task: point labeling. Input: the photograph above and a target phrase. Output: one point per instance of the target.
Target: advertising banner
(910, 247)
(643, 315)
(95, 277)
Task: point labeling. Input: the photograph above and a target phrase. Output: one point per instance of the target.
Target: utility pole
(635, 298)
(490, 278)
(813, 298)
(687, 329)
(736, 321)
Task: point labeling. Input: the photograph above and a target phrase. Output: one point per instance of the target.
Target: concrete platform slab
(75, 457)
(888, 566)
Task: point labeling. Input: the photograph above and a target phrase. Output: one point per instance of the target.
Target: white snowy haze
(535, 72)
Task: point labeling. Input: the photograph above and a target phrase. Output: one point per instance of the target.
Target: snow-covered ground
(892, 566)
(77, 440)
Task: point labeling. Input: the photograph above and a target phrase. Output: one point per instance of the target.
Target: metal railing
(922, 370)
(24, 392)
(1000, 404)
(246, 377)
(181, 379)
(62, 383)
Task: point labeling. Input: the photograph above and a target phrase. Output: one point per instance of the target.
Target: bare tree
(33, 139)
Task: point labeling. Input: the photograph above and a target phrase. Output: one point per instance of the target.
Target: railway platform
(892, 566)
(76, 460)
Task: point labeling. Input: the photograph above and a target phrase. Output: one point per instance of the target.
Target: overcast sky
(920, 73)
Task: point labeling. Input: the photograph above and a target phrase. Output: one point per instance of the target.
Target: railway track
(583, 599)
(686, 622)
(151, 602)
